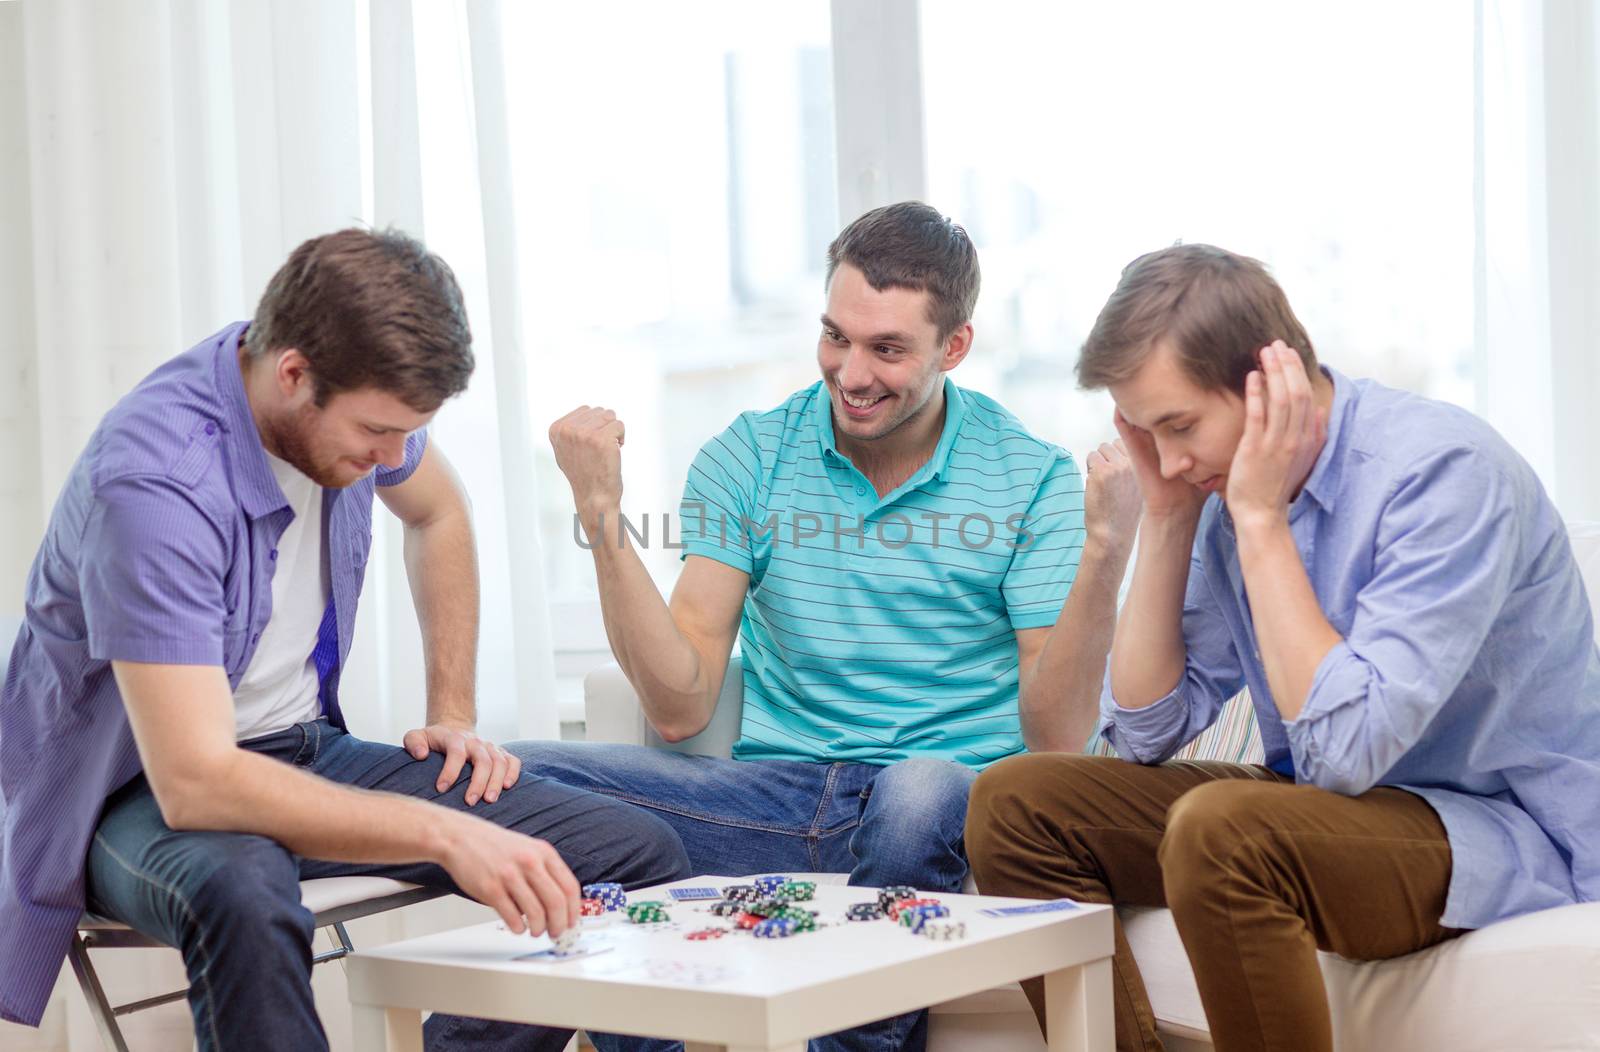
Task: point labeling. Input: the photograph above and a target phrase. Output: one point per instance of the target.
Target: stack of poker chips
(864, 911)
(797, 890)
(742, 893)
(591, 908)
(769, 884)
(916, 917)
(648, 912)
(944, 930)
(895, 909)
(768, 907)
(890, 895)
(806, 919)
(726, 908)
(776, 928)
(611, 896)
(566, 943)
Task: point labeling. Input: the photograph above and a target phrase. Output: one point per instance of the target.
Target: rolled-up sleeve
(1212, 673)
(151, 575)
(1443, 564)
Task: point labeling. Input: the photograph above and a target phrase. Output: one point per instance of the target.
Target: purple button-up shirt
(1467, 674)
(160, 549)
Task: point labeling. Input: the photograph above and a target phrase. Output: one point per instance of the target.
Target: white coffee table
(738, 992)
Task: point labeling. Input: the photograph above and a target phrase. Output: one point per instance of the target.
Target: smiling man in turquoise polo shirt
(920, 588)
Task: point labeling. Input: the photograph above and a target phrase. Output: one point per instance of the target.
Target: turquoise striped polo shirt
(874, 629)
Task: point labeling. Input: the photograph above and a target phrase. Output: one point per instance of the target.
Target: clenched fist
(588, 445)
(1111, 500)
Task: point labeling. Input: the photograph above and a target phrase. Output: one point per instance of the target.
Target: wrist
(599, 518)
(1256, 525)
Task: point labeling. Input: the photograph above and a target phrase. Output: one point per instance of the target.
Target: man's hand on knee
(493, 768)
(521, 877)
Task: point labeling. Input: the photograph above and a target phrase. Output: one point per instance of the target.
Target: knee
(255, 887)
(1208, 829)
(924, 792)
(997, 800)
(645, 849)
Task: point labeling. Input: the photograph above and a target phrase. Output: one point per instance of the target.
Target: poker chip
(864, 911)
(567, 941)
(944, 931)
(798, 890)
(648, 913)
(768, 884)
(611, 896)
(727, 908)
(702, 934)
(591, 908)
(747, 921)
(804, 919)
(742, 893)
(894, 909)
(767, 907)
(917, 917)
(894, 893)
(775, 928)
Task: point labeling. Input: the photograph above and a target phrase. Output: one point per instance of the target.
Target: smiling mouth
(861, 403)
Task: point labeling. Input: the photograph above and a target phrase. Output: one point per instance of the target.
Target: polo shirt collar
(955, 412)
(257, 488)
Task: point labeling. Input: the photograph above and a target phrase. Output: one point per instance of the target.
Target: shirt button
(211, 428)
(273, 555)
(860, 492)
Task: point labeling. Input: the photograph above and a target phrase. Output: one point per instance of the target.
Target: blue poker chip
(775, 928)
(610, 895)
(771, 883)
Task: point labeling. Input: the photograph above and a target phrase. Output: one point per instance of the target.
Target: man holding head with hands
(1392, 583)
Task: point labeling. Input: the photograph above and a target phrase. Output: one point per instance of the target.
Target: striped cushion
(1234, 738)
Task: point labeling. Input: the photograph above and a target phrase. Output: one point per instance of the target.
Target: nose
(855, 374)
(392, 454)
(1173, 463)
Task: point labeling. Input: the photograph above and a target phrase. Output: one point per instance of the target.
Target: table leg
(375, 1029)
(1077, 1007)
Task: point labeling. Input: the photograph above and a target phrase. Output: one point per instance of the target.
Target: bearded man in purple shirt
(172, 751)
(1392, 583)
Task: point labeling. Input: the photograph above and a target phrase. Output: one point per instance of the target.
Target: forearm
(669, 673)
(1060, 696)
(1291, 630)
(442, 565)
(1147, 651)
(243, 792)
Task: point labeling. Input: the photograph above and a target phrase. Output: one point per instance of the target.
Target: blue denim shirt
(160, 549)
(1468, 673)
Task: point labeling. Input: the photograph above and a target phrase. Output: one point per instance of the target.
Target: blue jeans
(900, 824)
(230, 902)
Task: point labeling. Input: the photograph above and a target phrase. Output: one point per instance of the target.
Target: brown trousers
(1259, 873)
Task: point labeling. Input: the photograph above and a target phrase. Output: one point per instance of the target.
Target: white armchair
(1531, 983)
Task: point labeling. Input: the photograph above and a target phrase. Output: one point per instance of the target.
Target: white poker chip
(944, 930)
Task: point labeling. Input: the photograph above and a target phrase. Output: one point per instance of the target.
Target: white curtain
(158, 161)
(1538, 238)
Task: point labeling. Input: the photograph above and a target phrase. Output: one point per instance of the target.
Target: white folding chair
(333, 901)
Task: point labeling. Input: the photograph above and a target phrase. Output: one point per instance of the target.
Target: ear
(956, 346)
(292, 371)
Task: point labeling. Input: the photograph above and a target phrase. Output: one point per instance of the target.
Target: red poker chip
(706, 933)
(746, 921)
(906, 904)
(591, 908)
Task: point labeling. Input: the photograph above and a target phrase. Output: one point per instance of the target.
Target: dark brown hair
(369, 309)
(911, 246)
(1215, 308)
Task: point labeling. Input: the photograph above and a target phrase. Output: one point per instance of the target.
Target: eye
(884, 348)
(833, 335)
(1184, 430)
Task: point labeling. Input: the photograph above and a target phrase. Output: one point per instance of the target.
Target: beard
(292, 435)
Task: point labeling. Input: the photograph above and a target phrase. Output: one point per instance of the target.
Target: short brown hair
(1216, 309)
(369, 309)
(912, 246)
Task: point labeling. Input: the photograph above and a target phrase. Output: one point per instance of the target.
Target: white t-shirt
(279, 689)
